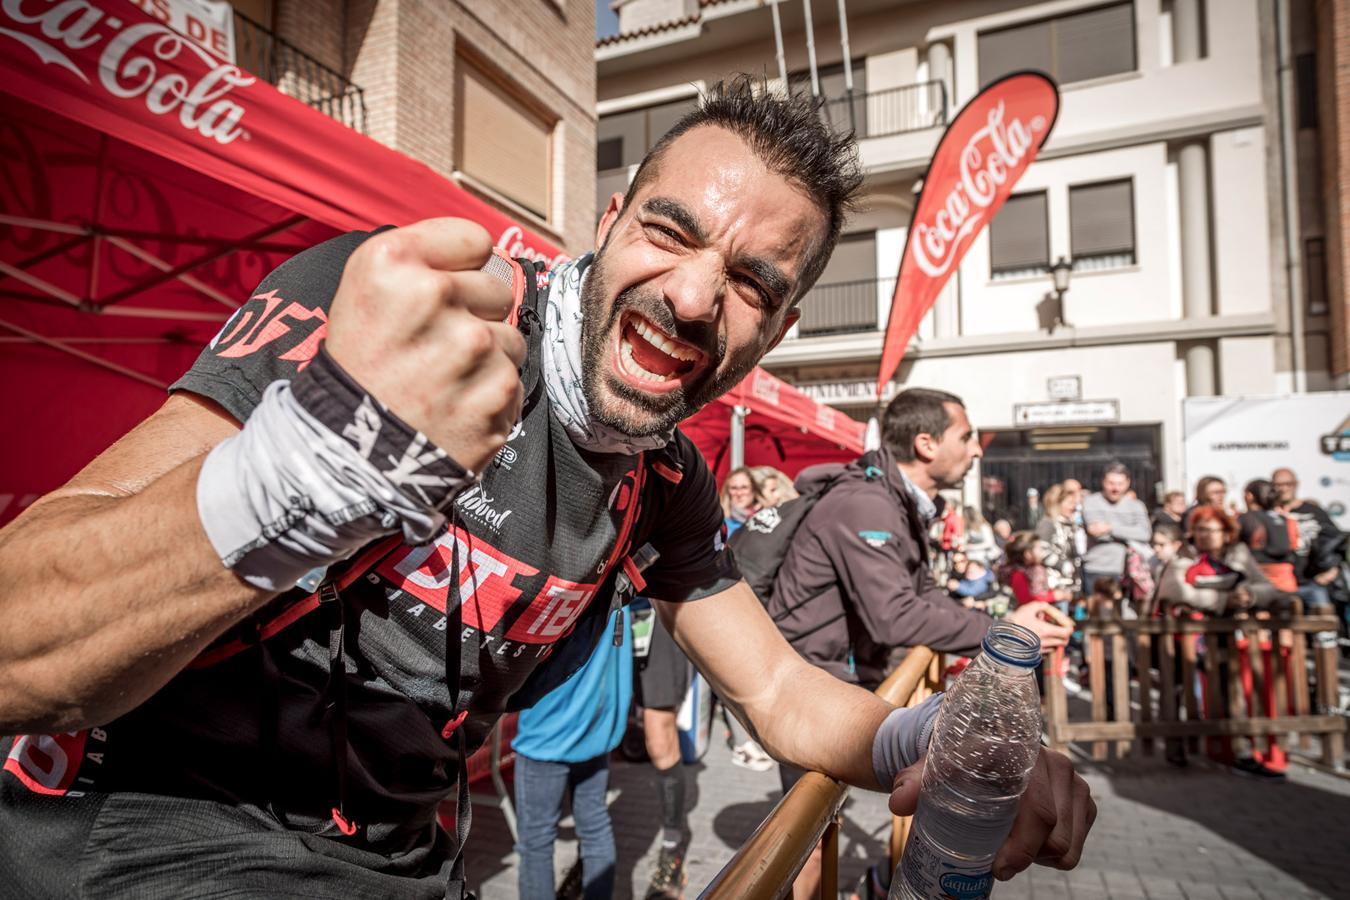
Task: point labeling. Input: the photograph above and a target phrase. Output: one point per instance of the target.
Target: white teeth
(634, 369)
(660, 341)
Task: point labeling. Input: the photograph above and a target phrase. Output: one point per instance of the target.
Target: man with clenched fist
(249, 647)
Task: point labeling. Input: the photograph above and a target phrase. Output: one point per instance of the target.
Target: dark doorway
(1016, 461)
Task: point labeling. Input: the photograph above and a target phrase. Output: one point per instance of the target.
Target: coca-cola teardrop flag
(984, 152)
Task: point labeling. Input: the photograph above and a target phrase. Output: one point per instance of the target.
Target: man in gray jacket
(856, 581)
(1114, 521)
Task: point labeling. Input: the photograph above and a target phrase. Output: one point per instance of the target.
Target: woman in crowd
(1056, 528)
(740, 498)
(1218, 574)
(775, 488)
(1271, 535)
(1210, 491)
(743, 494)
(980, 542)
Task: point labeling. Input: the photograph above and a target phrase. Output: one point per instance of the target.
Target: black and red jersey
(235, 747)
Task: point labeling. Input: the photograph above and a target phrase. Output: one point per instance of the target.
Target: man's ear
(612, 210)
(792, 317)
(925, 447)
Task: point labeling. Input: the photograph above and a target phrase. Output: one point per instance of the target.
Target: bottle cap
(1013, 645)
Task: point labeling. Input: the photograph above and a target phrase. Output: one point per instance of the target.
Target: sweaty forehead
(738, 202)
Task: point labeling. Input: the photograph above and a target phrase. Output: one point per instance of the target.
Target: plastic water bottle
(984, 745)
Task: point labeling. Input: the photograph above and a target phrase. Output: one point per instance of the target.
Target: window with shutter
(637, 131)
(1078, 46)
(1019, 237)
(1010, 49)
(501, 143)
(608, 154)
(845, 297)
(1101, 224)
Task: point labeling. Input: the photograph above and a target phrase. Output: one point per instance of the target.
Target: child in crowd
(975, 580)
(1105, 599)
(1167, 545)
(1028, 576)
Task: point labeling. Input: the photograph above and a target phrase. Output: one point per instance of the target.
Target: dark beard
(662, 411)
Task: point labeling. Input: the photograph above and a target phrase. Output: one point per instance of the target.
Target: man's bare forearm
(823, 724)
(106, 598)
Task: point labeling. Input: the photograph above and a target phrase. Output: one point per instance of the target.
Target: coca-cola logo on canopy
(146, 62)
(987, 148)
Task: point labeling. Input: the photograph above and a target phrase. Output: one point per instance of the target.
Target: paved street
(1162, 834)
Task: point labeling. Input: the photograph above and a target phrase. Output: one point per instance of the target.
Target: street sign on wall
(1067, 412)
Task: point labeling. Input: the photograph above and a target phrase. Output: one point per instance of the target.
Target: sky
(606, 20)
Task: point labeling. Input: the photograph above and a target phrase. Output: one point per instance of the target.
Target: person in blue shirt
(562, 746)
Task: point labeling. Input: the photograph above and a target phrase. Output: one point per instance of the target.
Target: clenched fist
(419, 326)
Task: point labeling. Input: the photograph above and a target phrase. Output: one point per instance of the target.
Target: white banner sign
(209, 23)
(1239, 439)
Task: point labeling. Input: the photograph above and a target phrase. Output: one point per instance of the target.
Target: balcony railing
(912, 107)
(297, 74)
(844, 306)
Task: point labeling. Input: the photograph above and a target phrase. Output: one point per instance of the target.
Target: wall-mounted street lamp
(1060, 272)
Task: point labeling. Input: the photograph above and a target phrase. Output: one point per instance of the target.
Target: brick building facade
(498, 97)
(1333, 83)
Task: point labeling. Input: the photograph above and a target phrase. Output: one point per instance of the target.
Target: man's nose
(695, 288)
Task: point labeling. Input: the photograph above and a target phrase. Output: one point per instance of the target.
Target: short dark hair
(912, 413)
(1168, 530)
(1262, 493)
(790, 138)
(1116, 468)
(1019, 545)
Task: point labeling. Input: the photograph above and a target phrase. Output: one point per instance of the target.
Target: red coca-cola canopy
(147, 188)
(784, 428)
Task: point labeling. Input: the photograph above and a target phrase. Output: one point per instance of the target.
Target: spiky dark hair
(789, 136)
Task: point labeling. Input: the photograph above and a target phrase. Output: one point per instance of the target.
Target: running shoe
(570, 889)
(751, 755)
(1251, 768)
(669, 877)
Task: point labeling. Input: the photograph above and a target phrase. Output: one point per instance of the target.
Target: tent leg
(738, 414)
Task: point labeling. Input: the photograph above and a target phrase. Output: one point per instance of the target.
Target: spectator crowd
(888, 561)
(1105, 554)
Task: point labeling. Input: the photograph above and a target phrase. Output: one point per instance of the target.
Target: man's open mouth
(651, 358)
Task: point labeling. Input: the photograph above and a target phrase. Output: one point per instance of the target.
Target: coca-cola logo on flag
(987, 148)
(144, 61)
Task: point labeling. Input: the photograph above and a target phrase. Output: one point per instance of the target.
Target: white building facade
(1163, 185)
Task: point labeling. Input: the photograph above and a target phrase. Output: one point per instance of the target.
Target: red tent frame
(779, 426)
(145, 189)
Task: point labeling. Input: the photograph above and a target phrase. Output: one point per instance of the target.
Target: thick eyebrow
(679, 214)
(772, 277)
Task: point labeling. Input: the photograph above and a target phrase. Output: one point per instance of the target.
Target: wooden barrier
(1214, 678)
(767, 863)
